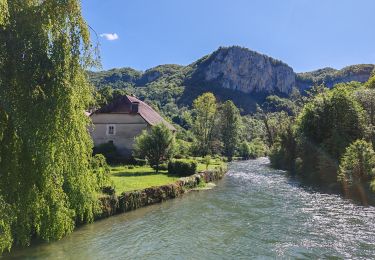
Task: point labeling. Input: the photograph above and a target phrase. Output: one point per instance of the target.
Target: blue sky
(306, 34)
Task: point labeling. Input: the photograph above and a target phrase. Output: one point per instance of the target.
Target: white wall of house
(119, 128)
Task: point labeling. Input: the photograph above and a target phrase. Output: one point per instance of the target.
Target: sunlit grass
(128, 178)
(141, 177)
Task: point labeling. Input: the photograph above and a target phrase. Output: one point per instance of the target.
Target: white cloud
(109, 36)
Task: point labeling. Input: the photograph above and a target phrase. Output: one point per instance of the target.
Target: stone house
(121, 121)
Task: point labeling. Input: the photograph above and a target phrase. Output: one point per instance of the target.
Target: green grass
(128, 178)
(215, 163)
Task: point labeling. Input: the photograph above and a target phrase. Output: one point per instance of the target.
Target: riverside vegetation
(330, 141)
(50, 179)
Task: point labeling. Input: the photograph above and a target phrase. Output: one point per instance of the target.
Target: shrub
(140, 162)
(257, 148)
(163, 167)
(101, 171)
(252, 150)
(182, 148)
(284, 151)
(109, 151)
(357, 163)
(182, 168)
(244, 150)
(207, 161)
(110, 190)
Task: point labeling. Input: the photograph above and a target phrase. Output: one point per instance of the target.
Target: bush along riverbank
(331, 142)
(127, 201)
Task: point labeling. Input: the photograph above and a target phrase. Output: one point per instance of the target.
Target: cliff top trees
(46, 149)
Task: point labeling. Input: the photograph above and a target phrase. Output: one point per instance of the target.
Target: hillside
(235, 73)
(330, 76)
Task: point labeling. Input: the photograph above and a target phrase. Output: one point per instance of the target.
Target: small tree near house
(156, 145)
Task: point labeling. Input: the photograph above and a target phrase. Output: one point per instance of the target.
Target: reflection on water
(253, 211)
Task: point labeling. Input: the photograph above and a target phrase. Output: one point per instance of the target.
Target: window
(111, 130)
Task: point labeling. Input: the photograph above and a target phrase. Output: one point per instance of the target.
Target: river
(254, 212)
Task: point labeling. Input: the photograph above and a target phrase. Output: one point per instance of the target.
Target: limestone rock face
(244, 70)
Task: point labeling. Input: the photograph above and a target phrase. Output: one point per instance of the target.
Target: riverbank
(131, 200)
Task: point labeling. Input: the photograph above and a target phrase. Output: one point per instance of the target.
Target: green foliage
(253, 127)
(244, 150)
(45, 147)
(275, 103)
(182, 148)
(332, 121)
(6, 219)
(326, 126)
(109, 151)
(284, 152)
(357, 164)
(182, 167)
(330, 76)
(101, 171)
(366, 98)
(107, 95)
(274, 124)
(230, 121)
(207, 161)
(252, 150)
(371, 82)
(257, 148)
(156, 145)
(205, 109)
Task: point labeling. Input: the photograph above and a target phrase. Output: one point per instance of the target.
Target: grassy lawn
(128, 178)
(215, 163)
(138, 178)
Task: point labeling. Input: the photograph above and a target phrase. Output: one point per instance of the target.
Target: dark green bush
(109, 151)
(140, 162)
(163, 167)
(110, 190)
(182, 168)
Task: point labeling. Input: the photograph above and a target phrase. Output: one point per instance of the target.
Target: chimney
(134, 107)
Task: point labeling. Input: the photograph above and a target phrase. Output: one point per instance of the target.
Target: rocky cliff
(243, 70)
(233, 68)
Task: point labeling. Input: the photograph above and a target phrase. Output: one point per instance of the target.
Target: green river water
(254, 212)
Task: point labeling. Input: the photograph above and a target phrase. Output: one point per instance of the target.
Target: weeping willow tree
(46, 185)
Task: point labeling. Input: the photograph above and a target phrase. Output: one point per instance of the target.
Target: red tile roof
(123, 105)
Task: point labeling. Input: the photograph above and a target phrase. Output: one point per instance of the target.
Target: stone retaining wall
(127, 201)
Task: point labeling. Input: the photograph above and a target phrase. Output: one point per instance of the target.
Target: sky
(305, 34)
